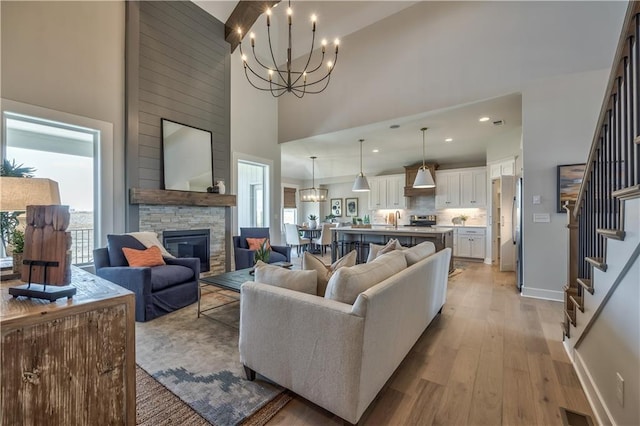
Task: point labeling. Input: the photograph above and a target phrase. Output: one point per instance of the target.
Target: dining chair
(293, 237)
(325, 237)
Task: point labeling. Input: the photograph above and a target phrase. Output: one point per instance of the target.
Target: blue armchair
(159, 289)
(244, 257)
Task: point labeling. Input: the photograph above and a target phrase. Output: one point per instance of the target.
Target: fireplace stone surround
(160, 210)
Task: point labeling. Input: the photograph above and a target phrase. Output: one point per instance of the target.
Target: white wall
(254, 134)
(69, 57)
(612, 345)
(558, 124)
(435, 55)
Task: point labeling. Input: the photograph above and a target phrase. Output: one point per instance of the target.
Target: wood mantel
(180, 198)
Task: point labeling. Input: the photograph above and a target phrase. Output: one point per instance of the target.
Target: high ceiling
(544, 47)
(338, 153)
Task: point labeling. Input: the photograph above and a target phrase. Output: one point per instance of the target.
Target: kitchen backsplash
(427, 206)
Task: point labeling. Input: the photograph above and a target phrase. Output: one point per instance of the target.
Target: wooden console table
(72, 361)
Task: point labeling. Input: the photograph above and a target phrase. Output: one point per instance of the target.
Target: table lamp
(46, 243)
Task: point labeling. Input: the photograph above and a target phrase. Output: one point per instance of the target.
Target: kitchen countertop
(400, 229)
(459, 226)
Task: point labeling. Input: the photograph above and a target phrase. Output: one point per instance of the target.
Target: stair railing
(612, 172)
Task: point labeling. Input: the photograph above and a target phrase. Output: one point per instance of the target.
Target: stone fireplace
(161, 211)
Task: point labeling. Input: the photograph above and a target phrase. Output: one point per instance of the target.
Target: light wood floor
(491, 358)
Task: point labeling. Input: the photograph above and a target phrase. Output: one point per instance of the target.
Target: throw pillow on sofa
(376, 250)
(347, 283)
(418, 252)
(302, 281)
(312, 263)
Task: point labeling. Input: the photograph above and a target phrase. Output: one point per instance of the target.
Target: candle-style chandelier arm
(280, 79)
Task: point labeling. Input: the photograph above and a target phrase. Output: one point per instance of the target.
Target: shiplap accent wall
(177, 68)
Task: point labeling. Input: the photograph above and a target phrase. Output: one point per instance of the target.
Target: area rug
(158, 406)
(197, 359)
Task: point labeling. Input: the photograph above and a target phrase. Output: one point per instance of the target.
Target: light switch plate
(536, 199)
(541, 218)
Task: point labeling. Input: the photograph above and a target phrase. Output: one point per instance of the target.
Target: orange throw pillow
(256, 243)
(140, 258)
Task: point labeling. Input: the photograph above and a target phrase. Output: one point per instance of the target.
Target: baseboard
(488, 261)
(541, 293)
(603, 416)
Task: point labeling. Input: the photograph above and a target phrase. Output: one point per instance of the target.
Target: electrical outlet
(620, 389)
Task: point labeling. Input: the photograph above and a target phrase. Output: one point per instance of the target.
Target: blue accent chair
(159, 289)
(244, 257)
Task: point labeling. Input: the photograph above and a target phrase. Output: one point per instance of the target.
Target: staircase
(604, 223)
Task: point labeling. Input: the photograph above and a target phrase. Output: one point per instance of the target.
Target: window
(65, 154)
(252, 198)
(290, 211)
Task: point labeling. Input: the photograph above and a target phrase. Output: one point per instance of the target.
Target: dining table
(312, 234)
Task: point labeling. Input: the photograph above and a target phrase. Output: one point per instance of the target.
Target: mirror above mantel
(187, 154)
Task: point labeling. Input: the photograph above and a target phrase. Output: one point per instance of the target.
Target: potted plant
(329, 218)
(16, 240)
(9, 220)
(263, 252)
(463, 218)
(313, 221)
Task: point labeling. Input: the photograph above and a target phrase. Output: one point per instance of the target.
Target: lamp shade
(361, 184)
(18, 193)
(424, 179)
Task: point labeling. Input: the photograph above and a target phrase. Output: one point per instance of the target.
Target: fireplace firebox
(191, 243)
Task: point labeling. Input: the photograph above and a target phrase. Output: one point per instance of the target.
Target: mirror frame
(165, 159)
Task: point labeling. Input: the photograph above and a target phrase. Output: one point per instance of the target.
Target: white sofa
(334, 354)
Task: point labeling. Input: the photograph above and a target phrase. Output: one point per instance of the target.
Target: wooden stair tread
(576, 302)
(628, 193)
(570, 317)
(586, 283)
(614, 234)
(597, 262)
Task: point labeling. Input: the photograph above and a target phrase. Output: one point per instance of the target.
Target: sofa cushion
(149, 239)
(376, 249)
(169, 275)
(347, 283)
(115, 243)
(141, 258)
(418, 252)
(312, 263)
(302, 281)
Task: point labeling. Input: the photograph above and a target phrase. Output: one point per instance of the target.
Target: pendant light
(361, 184)
(424, 178)
(313, 194)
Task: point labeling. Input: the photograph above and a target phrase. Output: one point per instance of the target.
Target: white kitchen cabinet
(470, 242)
(502, 168)
(387, 192)
(395, 192)
(447, 189)
(461, 188)
(473, 188)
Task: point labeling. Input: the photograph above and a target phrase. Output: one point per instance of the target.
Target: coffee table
(228, 281)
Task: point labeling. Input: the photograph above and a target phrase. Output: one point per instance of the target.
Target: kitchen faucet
(396, 217)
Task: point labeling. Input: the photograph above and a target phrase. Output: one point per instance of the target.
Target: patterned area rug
(197, 359)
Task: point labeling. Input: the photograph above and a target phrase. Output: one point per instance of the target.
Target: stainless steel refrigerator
(517, 232)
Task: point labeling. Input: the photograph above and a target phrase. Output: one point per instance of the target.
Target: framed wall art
(352, 206)
(336, 207)
(569, 180)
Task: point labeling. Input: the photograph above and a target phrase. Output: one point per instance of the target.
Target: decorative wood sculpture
(46, 239)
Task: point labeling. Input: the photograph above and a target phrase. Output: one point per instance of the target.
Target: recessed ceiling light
(448, 140)
(483, 119)
(376, 150)
(394, 126)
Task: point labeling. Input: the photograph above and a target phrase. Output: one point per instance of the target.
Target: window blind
(289, 198)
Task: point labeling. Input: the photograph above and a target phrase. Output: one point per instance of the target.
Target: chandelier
(278, 81)
(313, 194)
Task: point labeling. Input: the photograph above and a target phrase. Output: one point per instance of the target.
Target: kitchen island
(345, 239)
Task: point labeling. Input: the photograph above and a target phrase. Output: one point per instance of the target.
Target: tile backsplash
(427, 206)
